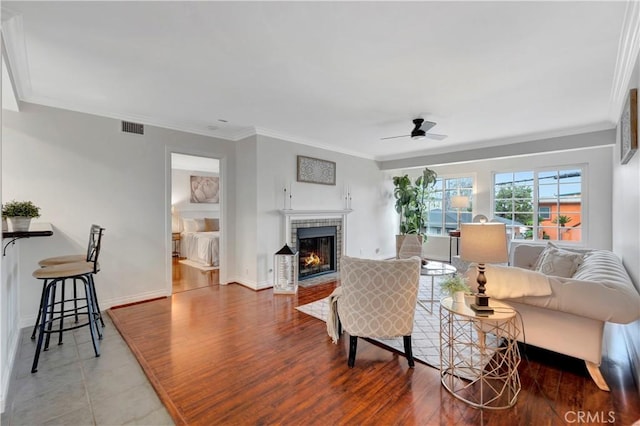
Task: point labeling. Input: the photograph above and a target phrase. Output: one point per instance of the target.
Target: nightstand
(175, 237)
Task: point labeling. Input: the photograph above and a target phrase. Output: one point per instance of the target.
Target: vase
(19, 223)
(458, 297)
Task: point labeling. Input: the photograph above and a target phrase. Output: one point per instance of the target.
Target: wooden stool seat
(67, 270)
(58, 260)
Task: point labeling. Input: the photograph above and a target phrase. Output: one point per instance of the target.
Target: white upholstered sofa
(565, 314)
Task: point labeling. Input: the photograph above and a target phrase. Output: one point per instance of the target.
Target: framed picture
(205, 189)
(314, 170)
(629, 127)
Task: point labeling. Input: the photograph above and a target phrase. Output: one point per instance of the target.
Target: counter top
(36, 229)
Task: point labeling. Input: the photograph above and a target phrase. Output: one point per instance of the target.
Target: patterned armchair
(376, 298)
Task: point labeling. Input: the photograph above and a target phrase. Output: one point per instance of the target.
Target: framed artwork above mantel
(629, 127)
(314, 170)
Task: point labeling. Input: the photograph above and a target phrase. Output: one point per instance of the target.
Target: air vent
(129, 127)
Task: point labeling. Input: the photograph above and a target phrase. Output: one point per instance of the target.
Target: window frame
(473, 200)
(583, 167)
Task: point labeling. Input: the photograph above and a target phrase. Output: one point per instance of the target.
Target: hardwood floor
(187, 278)
(230, 355)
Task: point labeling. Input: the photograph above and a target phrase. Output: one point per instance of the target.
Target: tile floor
(74, 387)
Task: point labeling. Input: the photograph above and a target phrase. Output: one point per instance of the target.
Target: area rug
(198, 265)
(425, 339)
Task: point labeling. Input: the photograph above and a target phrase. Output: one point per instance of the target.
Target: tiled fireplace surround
(295, 219)
(315, 223)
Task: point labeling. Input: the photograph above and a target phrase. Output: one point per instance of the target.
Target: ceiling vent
(129, 127)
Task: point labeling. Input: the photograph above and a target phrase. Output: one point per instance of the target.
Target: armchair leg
(408, 351)
(353, 344)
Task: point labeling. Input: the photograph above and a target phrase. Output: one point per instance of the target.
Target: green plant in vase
(19, 214)
(455, 286)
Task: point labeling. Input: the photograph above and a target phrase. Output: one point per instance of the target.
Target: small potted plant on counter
(19, 214)
(456, 287)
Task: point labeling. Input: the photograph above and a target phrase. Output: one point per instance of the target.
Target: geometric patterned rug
(425, 339)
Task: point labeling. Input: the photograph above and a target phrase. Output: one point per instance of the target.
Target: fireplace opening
(316, 251)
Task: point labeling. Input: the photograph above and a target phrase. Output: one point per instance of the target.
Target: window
(540, 205)
(442, 216)
(544, 212)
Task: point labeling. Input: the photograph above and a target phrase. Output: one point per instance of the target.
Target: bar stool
(95, 238)
(56, 309)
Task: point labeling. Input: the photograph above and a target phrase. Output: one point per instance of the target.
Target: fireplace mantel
(322, 213)
(290, 215)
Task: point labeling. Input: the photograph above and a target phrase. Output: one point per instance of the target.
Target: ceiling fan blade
(436, 136)
(395, 137)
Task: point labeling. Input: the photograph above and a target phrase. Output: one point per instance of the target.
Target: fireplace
(317, 252)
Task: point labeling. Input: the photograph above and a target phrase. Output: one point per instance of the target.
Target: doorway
(196, 202)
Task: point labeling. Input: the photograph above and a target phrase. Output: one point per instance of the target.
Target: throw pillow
(193, 225)
(189, 225)
(558, 262)
(211, 225)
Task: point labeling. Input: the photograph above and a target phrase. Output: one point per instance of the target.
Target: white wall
(246, 230)
(181, 195)
(626, 224)
(370, 227)
(80, 169)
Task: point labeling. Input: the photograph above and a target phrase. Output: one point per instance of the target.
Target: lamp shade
(483, 242)
(459, 202)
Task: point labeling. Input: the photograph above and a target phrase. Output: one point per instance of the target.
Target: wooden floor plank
(231, 355)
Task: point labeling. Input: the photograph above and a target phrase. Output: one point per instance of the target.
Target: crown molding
(15, 52)
(628, 49)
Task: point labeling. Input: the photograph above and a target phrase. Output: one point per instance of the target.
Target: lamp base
(481, 310)
(482, 299)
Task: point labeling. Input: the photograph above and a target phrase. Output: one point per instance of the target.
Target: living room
(79, 168)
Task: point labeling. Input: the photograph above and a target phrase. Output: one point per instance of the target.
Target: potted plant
(411, 203)
(456, 286)
(19, 214)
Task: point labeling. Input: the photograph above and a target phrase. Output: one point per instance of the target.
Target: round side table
(479, 355)
(434, 269)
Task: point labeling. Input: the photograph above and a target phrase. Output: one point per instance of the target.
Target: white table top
(436, 269)
(502, 311)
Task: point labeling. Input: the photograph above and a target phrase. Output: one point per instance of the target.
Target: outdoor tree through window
(540, 205)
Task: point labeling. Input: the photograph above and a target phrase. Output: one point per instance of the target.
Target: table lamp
(483, 243)
(459, 202)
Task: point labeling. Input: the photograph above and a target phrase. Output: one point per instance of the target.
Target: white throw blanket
(332, 318)
(508, 282)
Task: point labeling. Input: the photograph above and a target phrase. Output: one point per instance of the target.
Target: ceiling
(337, 75)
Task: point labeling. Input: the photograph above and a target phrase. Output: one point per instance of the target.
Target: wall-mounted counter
(36, 229)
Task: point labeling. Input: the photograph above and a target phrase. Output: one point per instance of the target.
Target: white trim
(628, 48)
(8, 368)
(16, 52)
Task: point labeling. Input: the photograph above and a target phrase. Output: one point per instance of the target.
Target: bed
(200, 241)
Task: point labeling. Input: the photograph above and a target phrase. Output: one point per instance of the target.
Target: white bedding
(201, 247)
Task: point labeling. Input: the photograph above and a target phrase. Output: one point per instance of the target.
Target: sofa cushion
(558, 262)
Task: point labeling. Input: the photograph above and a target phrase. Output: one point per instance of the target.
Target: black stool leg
(93, 327)
(52, 305)
(96, 309)
(95, 298)
(43, 321)
(75, 299)
(37, 324)
(62, 311)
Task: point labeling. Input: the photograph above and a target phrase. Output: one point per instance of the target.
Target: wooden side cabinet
(175, 237)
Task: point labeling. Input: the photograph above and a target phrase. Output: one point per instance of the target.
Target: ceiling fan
(421, 127)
